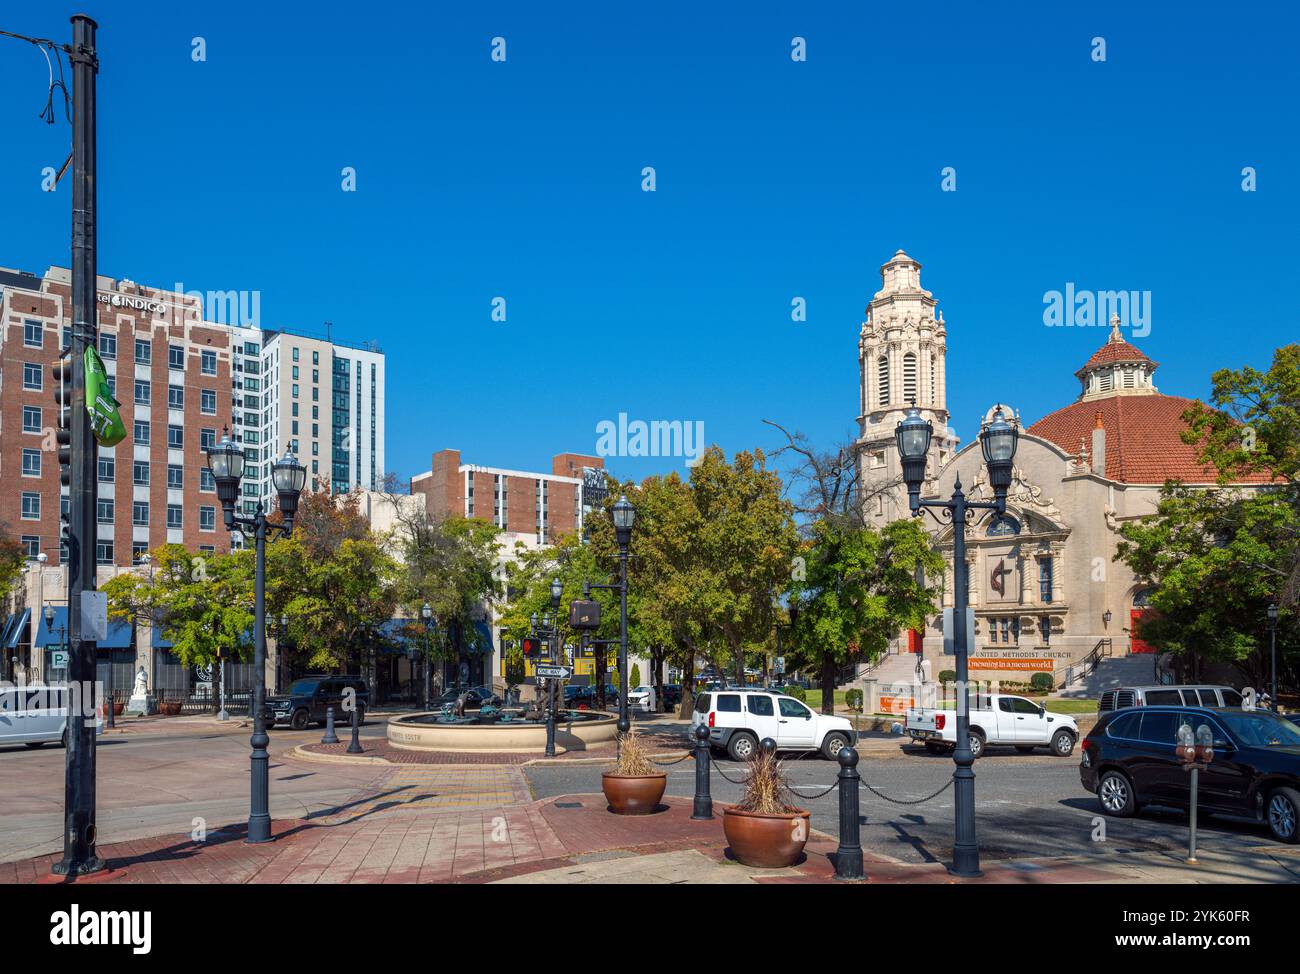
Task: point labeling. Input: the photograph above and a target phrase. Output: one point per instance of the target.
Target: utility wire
(46, 47)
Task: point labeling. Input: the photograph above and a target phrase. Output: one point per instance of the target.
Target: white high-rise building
(324, 402)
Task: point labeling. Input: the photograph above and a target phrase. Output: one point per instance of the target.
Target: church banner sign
(1009, 663)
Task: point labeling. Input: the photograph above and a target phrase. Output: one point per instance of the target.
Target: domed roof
(1116, 349)
(1144, 442)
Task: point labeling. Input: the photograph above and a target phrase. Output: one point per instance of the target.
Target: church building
(1046, 592)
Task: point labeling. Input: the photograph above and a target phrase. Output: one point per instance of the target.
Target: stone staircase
(893, 668)
(1136, 670)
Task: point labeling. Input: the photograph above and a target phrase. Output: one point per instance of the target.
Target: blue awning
(482, 639)
(160, 641)
(8, 627)
(396, 636)
(119, 632)
(17, 628)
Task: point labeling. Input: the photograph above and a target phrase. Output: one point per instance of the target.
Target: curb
(299, 751)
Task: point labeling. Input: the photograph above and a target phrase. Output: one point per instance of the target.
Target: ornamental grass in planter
(762, 829)
(634, 787)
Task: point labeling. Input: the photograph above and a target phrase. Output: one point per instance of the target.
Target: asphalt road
(1026, 806)
(163, 777)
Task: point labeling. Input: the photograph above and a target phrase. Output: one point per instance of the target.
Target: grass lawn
(814, 699)
(1072, 706)
(1053, 706)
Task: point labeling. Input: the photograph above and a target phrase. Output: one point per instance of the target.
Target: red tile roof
(1143, 442)
(1115, 350)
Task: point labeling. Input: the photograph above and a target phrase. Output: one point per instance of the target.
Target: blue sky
(775, 179)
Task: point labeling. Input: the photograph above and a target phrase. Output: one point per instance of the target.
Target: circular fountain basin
(575, 730)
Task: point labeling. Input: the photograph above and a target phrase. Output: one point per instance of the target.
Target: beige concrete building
(1043, 583)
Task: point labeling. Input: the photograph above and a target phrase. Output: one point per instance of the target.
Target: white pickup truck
(994, 719)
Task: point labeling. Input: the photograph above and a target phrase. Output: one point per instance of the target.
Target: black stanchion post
(355, 746)
(330, 737)
(848, 857)
(703, 807)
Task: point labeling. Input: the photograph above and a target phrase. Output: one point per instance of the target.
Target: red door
(913, 641)
(1136, 645)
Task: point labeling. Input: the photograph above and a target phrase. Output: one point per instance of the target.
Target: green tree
(1217, 558)
(858, 589)
(746, 539)
(528, 585)
(12, 558)
(1254, 426)
(671, 586)
(449, 563)
(202, 604)
(336, 603)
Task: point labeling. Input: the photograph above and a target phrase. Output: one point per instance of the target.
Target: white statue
(139, 702)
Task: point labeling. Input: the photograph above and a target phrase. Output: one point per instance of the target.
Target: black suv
(1130, 760)
(306, 700)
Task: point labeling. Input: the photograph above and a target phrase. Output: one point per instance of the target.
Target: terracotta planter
(170, 708)
(633, 794)
(766, 841)
(118, 707)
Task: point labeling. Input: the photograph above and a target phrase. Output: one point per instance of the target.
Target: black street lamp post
(226, 461)
(426, 613)
(1272, 630)
(624, 518)
(551, 622)
(998, 442)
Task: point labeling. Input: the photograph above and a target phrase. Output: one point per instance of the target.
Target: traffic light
(532, 647)
(62, 371)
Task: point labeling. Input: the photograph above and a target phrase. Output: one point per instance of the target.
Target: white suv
(739, 719)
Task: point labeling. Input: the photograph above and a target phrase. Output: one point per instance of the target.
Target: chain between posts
(907, 801)
(669, 764)
(822, 794)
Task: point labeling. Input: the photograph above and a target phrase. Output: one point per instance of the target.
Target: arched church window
(909, 377)
(882, 373)
(1142, 598)
(1003, 524)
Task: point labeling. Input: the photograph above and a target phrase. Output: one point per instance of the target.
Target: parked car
(672, 695)
(739, 719)
(307, 699)
(1189, 695)
(36, 715)
(1130, 760)
(994, 719)
(642, 698)
(475, 697)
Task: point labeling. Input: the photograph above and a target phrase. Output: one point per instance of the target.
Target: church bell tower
(901, 360)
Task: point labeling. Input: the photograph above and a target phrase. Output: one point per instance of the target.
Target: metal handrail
(1103, 649)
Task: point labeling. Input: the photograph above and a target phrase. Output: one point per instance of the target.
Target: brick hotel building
(532, 509)
(172, 375)
(181, 380)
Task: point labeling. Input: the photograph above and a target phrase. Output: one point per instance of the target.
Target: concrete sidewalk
(391, 838)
